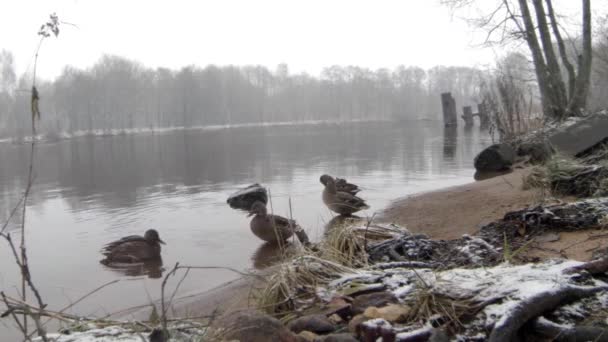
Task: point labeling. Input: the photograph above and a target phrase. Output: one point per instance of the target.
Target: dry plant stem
(12, 313)
(10, 216)
(177, 267)
(369, 222)
(24, 264)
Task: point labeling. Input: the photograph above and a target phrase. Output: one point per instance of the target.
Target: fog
(117, 93)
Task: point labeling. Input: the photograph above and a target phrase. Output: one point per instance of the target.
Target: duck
(342, 185)
(268, 227)
(340, 202)
(133, 249)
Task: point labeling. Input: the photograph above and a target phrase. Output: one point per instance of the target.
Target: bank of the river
(443, 214)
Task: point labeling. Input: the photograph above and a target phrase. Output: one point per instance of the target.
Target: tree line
(117, 93)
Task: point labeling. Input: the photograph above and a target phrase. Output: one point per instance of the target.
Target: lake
(91, 190)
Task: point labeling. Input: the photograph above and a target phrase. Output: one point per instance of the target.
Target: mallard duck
(342, 185)
(340, 202)
(268, 227)
(133, 249)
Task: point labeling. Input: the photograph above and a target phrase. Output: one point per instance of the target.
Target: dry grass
(346, 243)
(292, 287)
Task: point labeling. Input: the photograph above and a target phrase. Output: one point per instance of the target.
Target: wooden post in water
(467, 116)
(448, 104)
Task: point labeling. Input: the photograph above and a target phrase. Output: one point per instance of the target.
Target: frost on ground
(486, 299)
(187, 331)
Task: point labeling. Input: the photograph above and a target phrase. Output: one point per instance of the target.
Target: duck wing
(281, 221)
(112, 246)
(344, 186)
(345, 198)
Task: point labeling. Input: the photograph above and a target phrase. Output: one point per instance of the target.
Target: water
(91, 190)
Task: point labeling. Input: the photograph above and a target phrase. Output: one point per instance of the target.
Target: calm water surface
(89, 191)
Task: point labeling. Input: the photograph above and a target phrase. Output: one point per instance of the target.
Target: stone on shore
(253, 326)
(244, 198)
(498, 157)
(575, 139)
(377, 299)
(343, 337)
(318, 324)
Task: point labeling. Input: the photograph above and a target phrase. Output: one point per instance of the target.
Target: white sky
(307, 34)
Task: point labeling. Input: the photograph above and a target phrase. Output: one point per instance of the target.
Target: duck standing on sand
(133, 249)
(268, 227)
(340, 202)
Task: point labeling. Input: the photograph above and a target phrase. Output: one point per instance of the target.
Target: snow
(107, 334)
(507, 284)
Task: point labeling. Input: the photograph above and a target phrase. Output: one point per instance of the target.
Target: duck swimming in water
(133, 249)
(340, 202)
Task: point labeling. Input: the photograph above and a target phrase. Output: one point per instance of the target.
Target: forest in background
(117, 93)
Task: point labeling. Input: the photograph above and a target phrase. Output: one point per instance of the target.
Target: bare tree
(538, 26)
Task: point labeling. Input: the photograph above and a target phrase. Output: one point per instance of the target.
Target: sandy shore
(444, 214)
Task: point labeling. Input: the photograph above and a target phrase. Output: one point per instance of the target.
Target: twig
(12, 313)
(369, 222)
(163, 310)
(10, 216)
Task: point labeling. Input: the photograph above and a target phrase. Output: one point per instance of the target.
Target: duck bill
(251, 213)
(161, 241)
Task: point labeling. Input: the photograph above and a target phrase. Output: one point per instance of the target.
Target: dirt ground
(450, 213)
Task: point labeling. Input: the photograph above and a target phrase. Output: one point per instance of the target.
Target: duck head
(257, 208)
(151, 235)
(329, 182)
(325, 178)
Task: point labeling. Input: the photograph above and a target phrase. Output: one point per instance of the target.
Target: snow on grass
(506, 286)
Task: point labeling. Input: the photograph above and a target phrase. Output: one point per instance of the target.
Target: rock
(339, 306)
(335, 318)
(498, 157)
(343, 337)
(438, 336)
(548, 237)
(581, 136)
(394, 313)
(308, 336)
(318, 324)
(355, 322)
(253, 326)
(377, 299)
(538, 152)
(244, 198)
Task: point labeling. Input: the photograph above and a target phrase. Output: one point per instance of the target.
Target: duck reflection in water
(271, 253)
(151, 268)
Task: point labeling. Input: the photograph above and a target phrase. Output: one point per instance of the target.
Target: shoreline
(443, 214)
(425, 212)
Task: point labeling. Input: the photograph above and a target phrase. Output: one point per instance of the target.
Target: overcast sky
(307, 35)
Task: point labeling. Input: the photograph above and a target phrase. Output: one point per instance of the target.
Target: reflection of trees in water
(113, 172)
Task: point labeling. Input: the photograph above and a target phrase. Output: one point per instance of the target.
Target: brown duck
(133, 249)
(342, 185)
(268, 227)
(340, 202)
